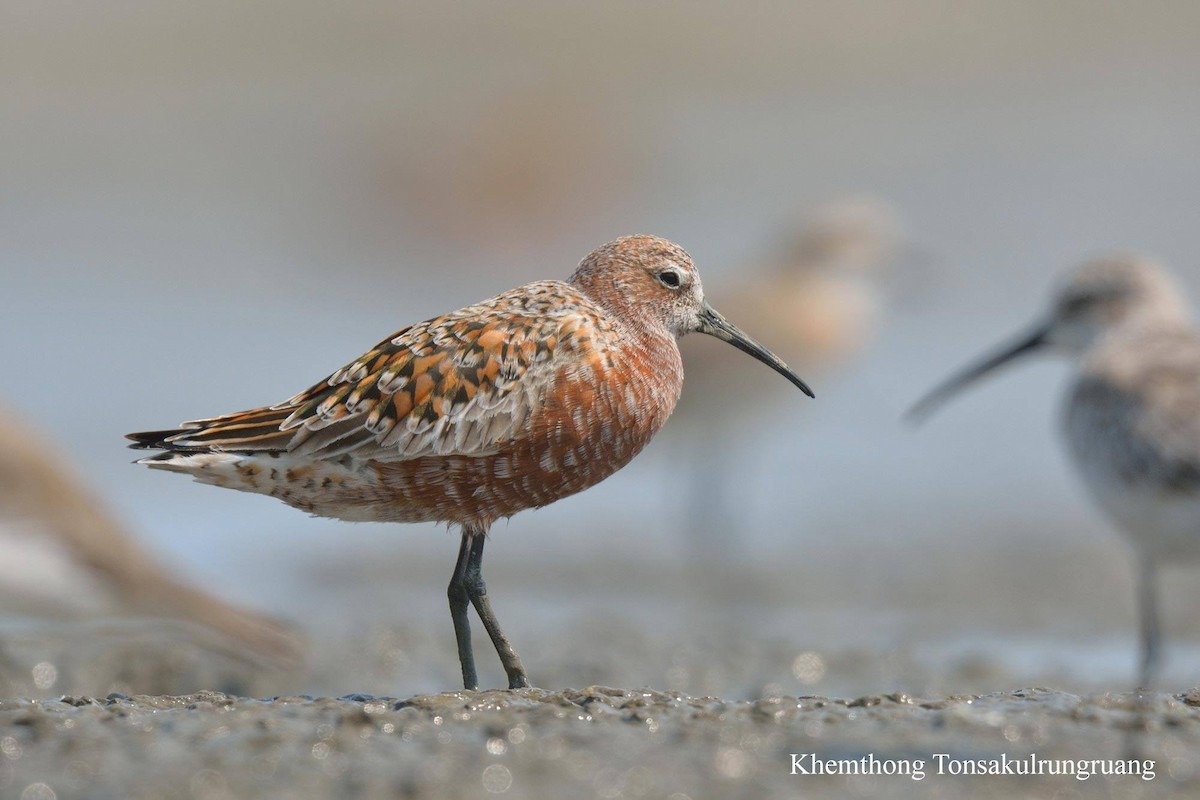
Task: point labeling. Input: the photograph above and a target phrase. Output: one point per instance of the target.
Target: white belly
(1163, 527)
(1131, 481)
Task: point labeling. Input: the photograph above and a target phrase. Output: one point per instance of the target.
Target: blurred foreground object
(1132, 416)
(66, 558)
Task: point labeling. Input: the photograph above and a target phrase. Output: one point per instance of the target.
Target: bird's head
(653, 283)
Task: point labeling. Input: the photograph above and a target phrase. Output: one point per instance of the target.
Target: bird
(820, 297)
(1131, 418)
(821, 294)
(67, 556)
(473, 416)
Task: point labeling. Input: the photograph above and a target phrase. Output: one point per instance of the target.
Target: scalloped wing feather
(464, 383)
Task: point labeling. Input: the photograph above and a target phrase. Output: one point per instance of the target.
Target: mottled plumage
(1143, 389)
(509, 404)
(1132, 415)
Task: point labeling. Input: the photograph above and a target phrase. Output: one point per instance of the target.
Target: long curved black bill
(712, 323)
(934, 400)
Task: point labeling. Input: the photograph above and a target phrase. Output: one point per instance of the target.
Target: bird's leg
(1147, 590)
(460, 601)
(477, 591)
(1147, 600)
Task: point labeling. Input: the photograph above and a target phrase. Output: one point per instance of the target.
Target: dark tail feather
(252, 431)
(152, 440)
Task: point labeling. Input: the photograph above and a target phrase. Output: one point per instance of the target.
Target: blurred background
(207, 207)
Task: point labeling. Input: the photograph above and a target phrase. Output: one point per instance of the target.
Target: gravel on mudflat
(588, 743)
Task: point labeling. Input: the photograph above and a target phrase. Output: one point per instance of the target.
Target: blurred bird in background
(64, 557)
(820, 298)
(1132, 415)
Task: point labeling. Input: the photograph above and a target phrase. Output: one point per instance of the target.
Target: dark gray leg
(1147, 590)
(1147, 602)
(477, 592)
(459, 602)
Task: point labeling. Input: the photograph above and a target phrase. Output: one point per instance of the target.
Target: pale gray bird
(1132, 416)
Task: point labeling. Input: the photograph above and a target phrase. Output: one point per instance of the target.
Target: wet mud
(587, 743)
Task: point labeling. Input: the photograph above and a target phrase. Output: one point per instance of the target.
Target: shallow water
(381, 625)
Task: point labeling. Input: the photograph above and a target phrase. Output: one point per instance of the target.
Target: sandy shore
(797, 672)
(595, 742)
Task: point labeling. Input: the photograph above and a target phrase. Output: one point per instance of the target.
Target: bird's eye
(669, 278)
